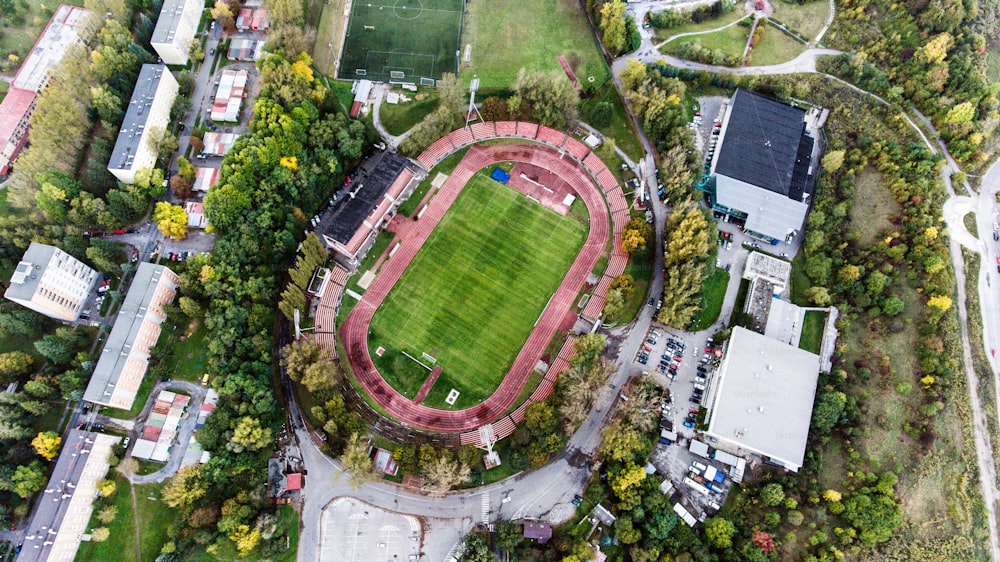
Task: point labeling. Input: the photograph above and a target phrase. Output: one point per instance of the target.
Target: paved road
(984, 206)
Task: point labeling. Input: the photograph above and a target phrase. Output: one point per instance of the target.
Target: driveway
(184, 431)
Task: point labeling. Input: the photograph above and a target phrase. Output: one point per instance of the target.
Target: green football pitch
(402, 40)
(473, 293)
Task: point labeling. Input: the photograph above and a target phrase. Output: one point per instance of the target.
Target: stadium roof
(62, 31)
(768, 213)
(342, 221)
(136, 115)
(764, 397)
(123, 334)
(763, 143)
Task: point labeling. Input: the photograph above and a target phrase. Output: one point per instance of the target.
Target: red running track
(354, 331)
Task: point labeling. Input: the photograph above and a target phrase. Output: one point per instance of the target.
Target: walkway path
(692, 33)
(379, 91)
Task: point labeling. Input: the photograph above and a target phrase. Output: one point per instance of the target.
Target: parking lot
(685, 367)
(355, 531)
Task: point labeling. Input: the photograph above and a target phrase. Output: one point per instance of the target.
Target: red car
(119, 231)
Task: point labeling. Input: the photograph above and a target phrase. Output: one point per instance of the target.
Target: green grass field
(775, 47)
(508, 35)
(730, 41)
(472, 294)
(713, 293)
(812, 331)
(707, 25)
(400, 118)
(419, 38)
(807, 18)
(620, 128)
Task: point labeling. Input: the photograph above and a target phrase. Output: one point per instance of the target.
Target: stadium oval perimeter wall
(557, 147)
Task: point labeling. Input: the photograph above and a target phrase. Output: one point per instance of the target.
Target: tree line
(298, 149)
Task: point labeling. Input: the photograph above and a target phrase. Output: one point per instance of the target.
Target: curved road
(545, 491)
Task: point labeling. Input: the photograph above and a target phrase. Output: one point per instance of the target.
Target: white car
(698, 466)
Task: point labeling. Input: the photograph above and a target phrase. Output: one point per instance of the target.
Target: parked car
(577, 500)
(688, 425)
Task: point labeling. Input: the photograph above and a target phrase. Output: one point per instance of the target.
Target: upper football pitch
(402, 40)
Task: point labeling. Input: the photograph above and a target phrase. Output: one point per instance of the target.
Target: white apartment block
(175, 29)
(125, 357)
(51, 282)
(149, 108)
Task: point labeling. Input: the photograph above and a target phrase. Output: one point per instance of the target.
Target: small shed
(293, 481)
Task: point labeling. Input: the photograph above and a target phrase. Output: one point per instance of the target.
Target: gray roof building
(124, 359)
(62, 514)
(175, 29)
(51, 282)
(763, 167)
(148, 109)
(764, 397)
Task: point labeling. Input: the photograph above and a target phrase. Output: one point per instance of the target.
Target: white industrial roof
(764, 397)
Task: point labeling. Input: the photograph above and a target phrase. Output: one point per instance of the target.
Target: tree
(246, 539)
(586, 349)
(614, 305)
(249, 435)
(106, 488)
(46, 444)
(833, 161)
(772, 494)
(171, 220)
(107, 515)
(613, 26)
(285, 12)
(190, 307)
(620, 442)
(52, 202)
(892, 306)
(162, 142)
(451, 94)
(222, 12)
(445, 474)
(184, 489)
(310, 363)
(181, 186)
(57, 349)
(14, 364)
(105, 254)
(636, 236)
(719, 532)
(820, 296)
(633, 74)
(551, 96)
(356, 460)
(476, 548)
(100, 534)
(940, 302)
(28, 479)
(106, 103)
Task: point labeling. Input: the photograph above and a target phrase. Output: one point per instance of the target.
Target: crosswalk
(486, 508)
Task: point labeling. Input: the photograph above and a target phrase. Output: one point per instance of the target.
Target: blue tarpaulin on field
(500, 175)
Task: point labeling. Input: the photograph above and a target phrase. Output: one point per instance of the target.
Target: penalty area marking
(452, 397)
